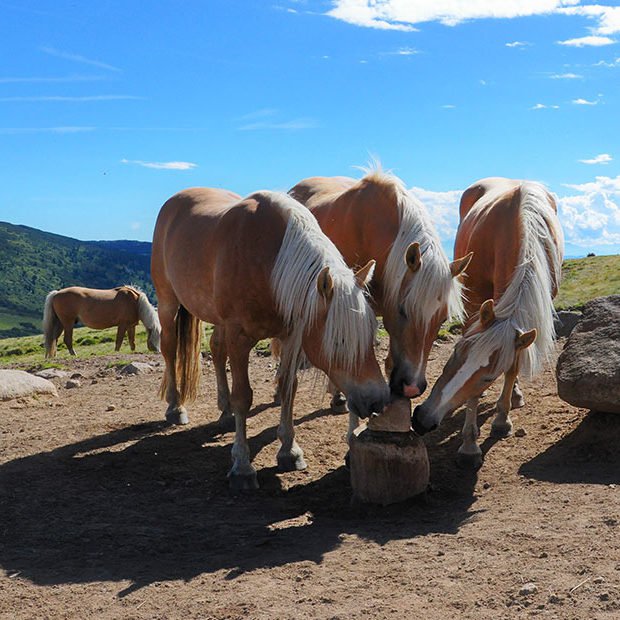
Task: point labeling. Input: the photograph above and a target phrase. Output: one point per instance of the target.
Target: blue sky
(107, 108)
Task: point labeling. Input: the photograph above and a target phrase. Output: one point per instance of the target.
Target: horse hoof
(339, 404)
(469, 461)
(290, 462)
(243, 482)
(178, 415)
(516, 402)
(501, 431)
(226, 422)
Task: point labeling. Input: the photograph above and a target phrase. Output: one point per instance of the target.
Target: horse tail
(189, 339)
(52, 327)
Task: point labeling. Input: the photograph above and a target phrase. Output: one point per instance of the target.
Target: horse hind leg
(131, 336)
(220, 355)
(470, 455)
(120, 335)
(68, 338)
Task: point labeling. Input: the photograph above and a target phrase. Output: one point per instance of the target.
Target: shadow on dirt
(148, 503)
(589, 454)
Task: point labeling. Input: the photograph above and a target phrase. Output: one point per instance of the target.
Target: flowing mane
(527, 302)
(305, 251)
(433, 285)
(146, 312)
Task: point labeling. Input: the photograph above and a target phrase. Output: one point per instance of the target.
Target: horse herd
(312, 269)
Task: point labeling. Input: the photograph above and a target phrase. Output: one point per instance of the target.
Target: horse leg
(219, 355)
(120, 334)
(290, 455)
(68, 338)
(175, 413)
(354, 422)
(516, 400)
(242, 475)
(131, 336)
(470, 455)
(502, 424)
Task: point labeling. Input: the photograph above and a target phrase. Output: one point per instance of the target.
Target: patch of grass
(586, 278)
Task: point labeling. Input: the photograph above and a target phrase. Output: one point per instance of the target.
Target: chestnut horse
(256, 268)
(513, 230)
(415, 288)
(96, 308)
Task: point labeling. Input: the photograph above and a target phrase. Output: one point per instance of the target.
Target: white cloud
(543, 106)
(608, 17)
(51, 51)
(51, 80)
(590, 41)
(403, 51)
(448, 106)
(444, 207)
(165, 165)
(584, 102)
(136, 225)
(603, 158)
(59, 130)
(565, 76)
(606, 63)
(518, 44)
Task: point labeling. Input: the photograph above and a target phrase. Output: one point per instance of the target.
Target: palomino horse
(514, 232)
(123, 306)
(256, 268)
(415, 288)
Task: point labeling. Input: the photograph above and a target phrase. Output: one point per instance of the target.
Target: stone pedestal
(388, 461)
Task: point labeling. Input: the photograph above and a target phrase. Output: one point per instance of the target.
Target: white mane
(528, 301)
(432, 286)
(305, 251)
(147, 313)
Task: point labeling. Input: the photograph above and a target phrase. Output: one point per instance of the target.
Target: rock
(18, 383)
(588, 369)
(528, 589)
(136, 368)
(78, 376)
(72, 383)
(565, 322)
(51, 373)
(110, 408)
(520, 432)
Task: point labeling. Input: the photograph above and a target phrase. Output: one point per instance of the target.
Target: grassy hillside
(586, 278)
(33, 262)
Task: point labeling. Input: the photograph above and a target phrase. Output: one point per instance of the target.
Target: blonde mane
(432, 287)
(527, 302)
(305, 251)
(146, 312)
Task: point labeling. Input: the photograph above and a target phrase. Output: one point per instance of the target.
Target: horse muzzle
(417, 424)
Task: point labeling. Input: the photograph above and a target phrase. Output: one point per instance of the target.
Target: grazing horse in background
(99, 309)
(415, 288)
(513, 230)
(257, 268)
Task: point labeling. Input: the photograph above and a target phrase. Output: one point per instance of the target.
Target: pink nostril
(410, 391)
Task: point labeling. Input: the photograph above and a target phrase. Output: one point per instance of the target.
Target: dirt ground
(106, 512)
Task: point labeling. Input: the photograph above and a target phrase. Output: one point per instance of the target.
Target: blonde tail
(52, 326)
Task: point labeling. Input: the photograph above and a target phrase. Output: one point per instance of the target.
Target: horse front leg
(470, 455)
(120, 334)
(290, 456)
(220, 355)
(131, 336)
(175, 413)
(242, 475)
(502, 424)
(517, 400)
(338, 402)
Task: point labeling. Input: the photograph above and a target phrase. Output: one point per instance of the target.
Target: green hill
(33, 262)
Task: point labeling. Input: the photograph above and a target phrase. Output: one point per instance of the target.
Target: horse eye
(401, 311)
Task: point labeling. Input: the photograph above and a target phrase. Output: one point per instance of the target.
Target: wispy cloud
(589, 41)
(603, 158)
(262, 113)
(448, 106)
(518, 44)
(403, 51)
(584, 102)
(52, 51)
(544, 106)
(51, 80)
(65, 98)
(565, 76)
(292, 125)
(161, 165)
(607, 63)
(57, 130)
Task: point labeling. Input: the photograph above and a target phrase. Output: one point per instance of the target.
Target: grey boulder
(18, 383)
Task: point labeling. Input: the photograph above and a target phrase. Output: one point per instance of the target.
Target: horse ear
(413, 257)
(458, 266)
(525, 339)
(325, 284)
(364, 275)
(487, 313)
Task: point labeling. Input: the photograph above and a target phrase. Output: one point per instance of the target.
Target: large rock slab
(565, 322)
(17, 384)
(588, 369)
(136, 368)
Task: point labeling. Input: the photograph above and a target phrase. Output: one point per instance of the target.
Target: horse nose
(411, 391)
(416, 422)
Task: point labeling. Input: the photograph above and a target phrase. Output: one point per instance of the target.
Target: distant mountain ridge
(34, 262)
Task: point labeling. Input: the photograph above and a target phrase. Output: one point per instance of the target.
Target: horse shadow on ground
(589, 454)
(149, 503)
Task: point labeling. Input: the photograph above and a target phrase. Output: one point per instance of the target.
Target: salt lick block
(388, 461)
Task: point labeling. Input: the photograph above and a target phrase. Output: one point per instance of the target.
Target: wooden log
(388, 461)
